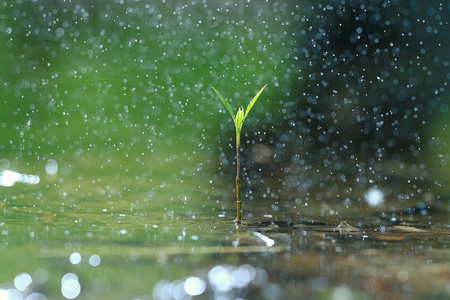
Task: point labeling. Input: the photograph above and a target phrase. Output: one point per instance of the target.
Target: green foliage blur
(133, 77)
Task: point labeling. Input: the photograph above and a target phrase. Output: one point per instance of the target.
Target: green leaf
(227, 105)
(238, 124)
(250, 105)
(240, 118)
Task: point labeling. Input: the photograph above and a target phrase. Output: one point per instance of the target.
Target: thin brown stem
(238, 187)
(238, 120)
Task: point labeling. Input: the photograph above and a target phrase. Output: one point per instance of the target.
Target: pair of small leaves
(240, 116)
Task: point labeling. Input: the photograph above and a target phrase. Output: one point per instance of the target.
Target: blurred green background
(129, 79)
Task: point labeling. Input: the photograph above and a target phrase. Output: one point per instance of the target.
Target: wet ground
(96, 236)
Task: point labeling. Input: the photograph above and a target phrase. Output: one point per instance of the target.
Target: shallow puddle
(128, 244)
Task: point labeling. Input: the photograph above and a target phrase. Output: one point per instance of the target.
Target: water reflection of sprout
(238, 120)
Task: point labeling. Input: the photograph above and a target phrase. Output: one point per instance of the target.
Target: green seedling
(239, 119)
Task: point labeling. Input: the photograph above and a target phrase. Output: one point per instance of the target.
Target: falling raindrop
(51, 167)
(95, 260)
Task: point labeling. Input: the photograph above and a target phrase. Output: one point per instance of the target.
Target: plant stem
(238, 120)
(238, 181)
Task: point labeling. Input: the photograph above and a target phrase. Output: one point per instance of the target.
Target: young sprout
(239, 119)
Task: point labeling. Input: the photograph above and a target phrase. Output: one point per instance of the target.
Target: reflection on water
(9, 178)
(20, 289)
(92, 235)
(70, 286)
(222, 282)
(108, 234)
(374, 197)
(93, 256)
